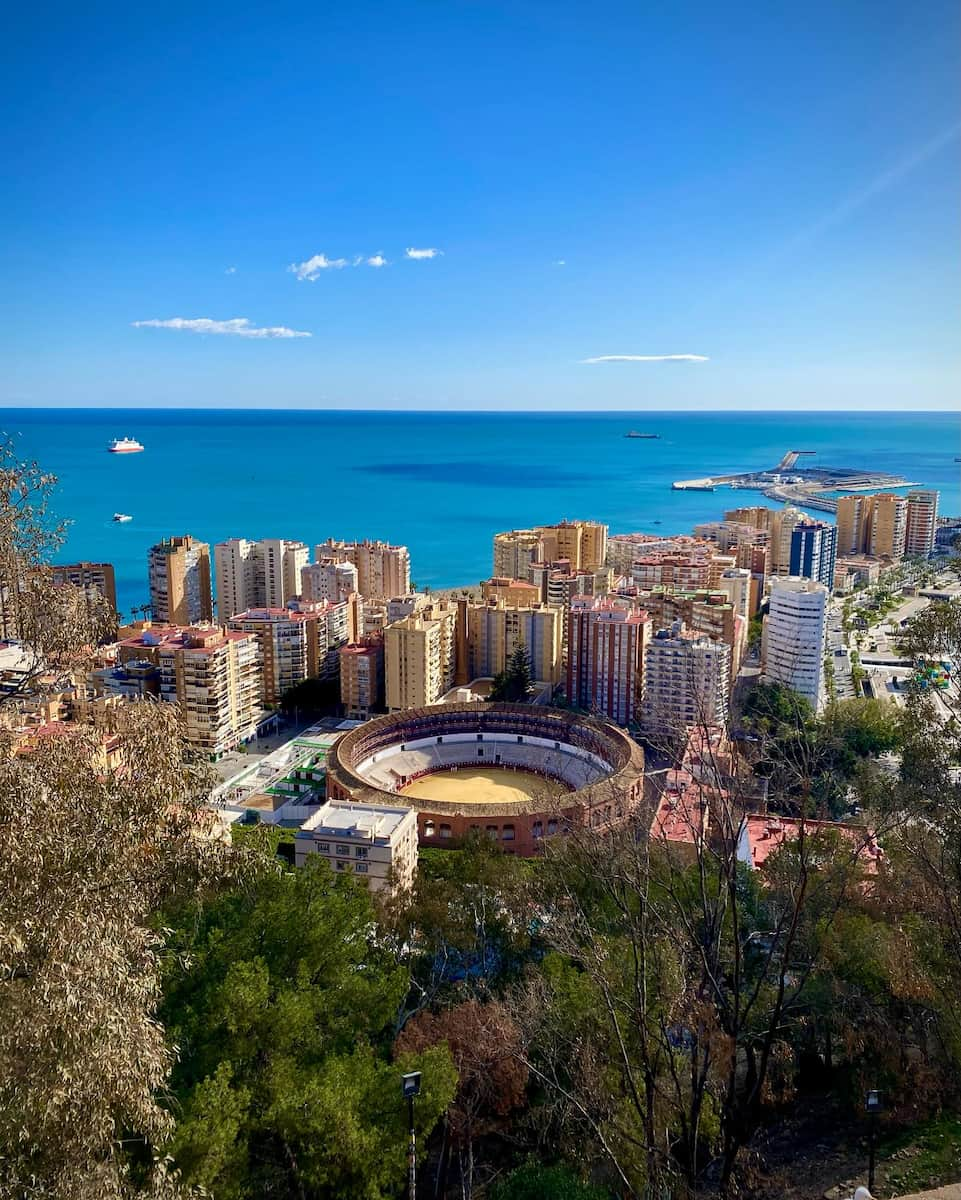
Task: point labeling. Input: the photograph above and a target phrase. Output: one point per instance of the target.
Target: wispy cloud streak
(235, 327)
(426, 252)
(647, 358)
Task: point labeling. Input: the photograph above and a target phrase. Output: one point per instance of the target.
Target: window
(428, 829)
(480, 737)
(507, 834)
(360, 852)
(445, 831)
(537, 829)
(480, 751)
(520, 739)
(492, 831)
(360, 868)
(340, 866)
(343, 851)
(323, 847)
(440, 741)
(551, 828)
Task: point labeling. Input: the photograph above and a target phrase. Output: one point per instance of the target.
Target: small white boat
(121, 517)
(127, 445)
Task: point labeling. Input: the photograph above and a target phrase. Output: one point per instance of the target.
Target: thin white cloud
(231, 271)
(235, 327)
(427, 252)
(560, 262)
(643, 358)
(377, 260)
(311, 268)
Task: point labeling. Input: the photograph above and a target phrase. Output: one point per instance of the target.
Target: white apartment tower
(687, 681)
(264, 574)
(793, 645)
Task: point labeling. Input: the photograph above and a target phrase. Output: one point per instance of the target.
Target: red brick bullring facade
(519, 827)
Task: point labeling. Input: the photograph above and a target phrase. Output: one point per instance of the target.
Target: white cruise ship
(125, 445)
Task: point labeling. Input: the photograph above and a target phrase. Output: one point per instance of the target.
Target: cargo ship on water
(632, 433)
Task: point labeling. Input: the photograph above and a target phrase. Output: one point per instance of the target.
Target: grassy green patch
(926, 1156)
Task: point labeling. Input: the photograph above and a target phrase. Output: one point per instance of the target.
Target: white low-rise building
(376, 843)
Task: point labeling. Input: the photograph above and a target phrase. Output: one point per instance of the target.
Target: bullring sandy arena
(479, 785)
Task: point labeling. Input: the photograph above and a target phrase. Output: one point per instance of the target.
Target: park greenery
(622, 1017)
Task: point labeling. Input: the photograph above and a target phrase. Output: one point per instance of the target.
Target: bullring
(517, 772)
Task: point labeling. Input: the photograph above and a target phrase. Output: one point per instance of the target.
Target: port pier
(803, 485)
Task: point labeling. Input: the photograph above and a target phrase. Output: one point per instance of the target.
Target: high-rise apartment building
(295, 643)
(875, 524)
(582, 544)
(514, 551)
(921, 524)
(736, 584)
(888, 525)
(264, 574)
(496, 629)
(283, 563)
(382, 570)
(605, 655)
(419, 657)
(90, 577)
(213, 676)
(329, 579)
(238, 569)
(687, 681)
(814, 551)
(362, 677)
(179, 573)
(710, 612)
(795, 630)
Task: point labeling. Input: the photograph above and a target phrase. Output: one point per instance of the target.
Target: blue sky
(772, 187)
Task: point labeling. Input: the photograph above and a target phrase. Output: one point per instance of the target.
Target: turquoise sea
(443, 483)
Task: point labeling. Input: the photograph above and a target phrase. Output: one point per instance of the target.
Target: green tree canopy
(283, 1008)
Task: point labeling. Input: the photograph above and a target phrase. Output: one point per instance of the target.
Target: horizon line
(500, 412)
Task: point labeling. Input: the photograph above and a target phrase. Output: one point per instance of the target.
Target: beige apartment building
(90, 577)
(264, 574)
(496, 629)
(888, 525)
(419, 657)
(582, 544)
(213, 676)
(510, 591)
(872, 524)
(329, 579)
(382, 570)
(179, 574)
(377, 843)
(514, 551)
(295, 643)
(362, 677)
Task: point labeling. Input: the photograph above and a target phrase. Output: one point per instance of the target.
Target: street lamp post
(410, 1087)
(872, 1106)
